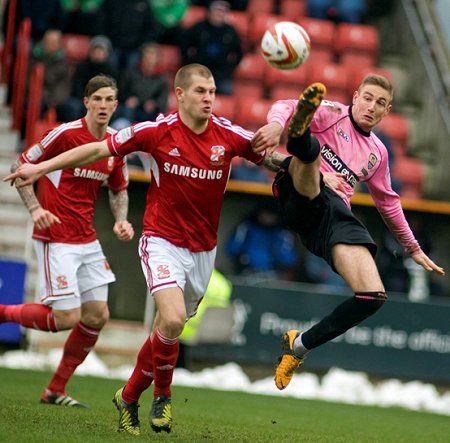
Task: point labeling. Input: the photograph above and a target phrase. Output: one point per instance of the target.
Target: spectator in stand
(236, 5)
(216, 44)
(128, 24)
(168, 15)
(98, 62)
(81, 16)
(144, 89)
(56, 88)
(261, 245)
(351, 11)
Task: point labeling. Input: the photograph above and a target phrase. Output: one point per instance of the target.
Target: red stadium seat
(333, 76)
(294, 10)
(395, 126)
(321, 32)
(356, 59)
(239, 19)
(257, 6)
(170, 58)
(76, 47)
(261, 21)
(251, 113)
(193, 15)
(248, 78)
(280, 82)
(225, 106)
(285, 92)
(409, 171)
(355, 38)
(320, 55)
(357, 73)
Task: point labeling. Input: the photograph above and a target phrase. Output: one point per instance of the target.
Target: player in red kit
(190, 152)
(73, 271)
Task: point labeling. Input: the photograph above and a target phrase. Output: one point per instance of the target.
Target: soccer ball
(285, 45)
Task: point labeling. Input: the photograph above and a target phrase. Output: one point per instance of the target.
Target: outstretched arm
(41, 217)
(119, 207)
(82, 155)
(429, 265)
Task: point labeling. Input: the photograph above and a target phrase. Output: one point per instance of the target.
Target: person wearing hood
(216, 44)
(144, 88)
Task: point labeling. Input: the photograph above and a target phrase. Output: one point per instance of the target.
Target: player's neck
(97, 130)
(195, 125)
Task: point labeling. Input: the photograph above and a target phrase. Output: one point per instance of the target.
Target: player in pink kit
(190, 151)
(73, 271)
(333, 148)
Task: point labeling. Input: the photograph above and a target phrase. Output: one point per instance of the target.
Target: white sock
(299, 348)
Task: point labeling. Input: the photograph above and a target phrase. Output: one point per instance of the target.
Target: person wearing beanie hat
(97, 62)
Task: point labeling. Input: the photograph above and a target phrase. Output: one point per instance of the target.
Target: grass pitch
(202, 415)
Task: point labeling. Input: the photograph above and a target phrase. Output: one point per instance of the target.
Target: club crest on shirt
(110, 163)
(343, 134)
(163, 271)
(61, 281)
(372, 161)
(217, 155)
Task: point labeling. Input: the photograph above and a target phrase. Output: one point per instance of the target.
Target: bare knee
(172, 325)
(95, 314)
(67, 319)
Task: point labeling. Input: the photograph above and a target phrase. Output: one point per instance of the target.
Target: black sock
(345, 316)
(306, 148)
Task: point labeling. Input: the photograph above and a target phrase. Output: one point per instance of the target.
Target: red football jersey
(189, 175)
(71, 193)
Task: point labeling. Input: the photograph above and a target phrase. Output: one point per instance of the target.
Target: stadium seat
(294, 10)
(76, 47)
(280, 82)
(356, 59)
(332, 75)
(320, 55)
(395, 126)
(170, 58)
(193, 15)
(261, 21)
(409, 171)
(355, 38)
(257, 6)
(357, 73)
(225, 106)
(285, 92)
(321, 32)
(239, 19)
(251, 113)
(248, 78)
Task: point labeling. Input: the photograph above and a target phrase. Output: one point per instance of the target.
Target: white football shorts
(166, 266)
(68, 273)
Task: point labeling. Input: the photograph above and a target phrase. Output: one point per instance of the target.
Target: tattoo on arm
(273, 161)
(119, 205)
(27, 192)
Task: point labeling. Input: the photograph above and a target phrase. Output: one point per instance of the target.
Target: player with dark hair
(191, 152)
(73, 271)
(333, 148)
